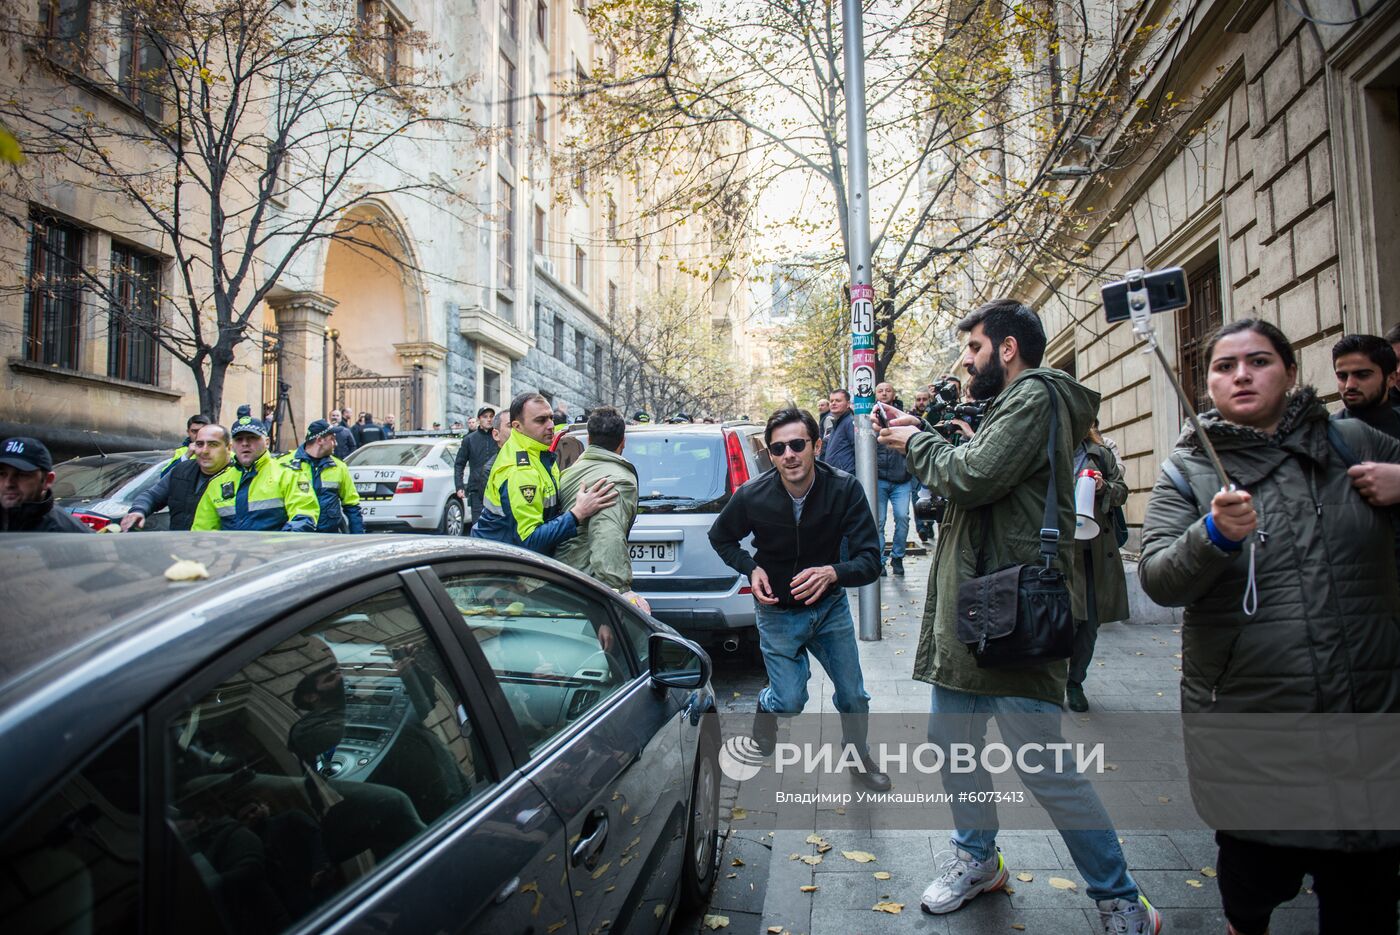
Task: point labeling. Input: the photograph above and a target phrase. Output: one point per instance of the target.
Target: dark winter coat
(1325, 637)
(475, 456)
(1110, 582)
(839, 449)
(39, 516)
(890, 465)
(179, 489)
(1003, 471)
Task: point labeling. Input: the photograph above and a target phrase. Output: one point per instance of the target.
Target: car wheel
(702, 831)
(453, 519)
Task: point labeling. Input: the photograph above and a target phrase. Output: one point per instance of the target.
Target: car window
(763, 461)
(74, 862)
(312, 764)
(638, 634)
(554, 651)
(403, 454)
(679, 472)
(95, 477)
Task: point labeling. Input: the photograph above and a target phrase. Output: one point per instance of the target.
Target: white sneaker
(1120, 917)
(960, 878)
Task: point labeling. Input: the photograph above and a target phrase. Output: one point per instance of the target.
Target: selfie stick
(1140, 309)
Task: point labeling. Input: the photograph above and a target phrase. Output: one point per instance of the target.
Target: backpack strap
(1340, 446)
(1179, 481)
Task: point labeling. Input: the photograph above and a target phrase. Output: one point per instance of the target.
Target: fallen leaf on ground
(1196, 884)
(1207, 871)
(881, 874)
(1111, 767)
(1060, 883)
(186, 569)
(815, 839)
(738, 694)
(1164, 799)
(738, 814)
(860, 857)
(840, 809)
(1138, 654)
(775, 930)
(823, 847)
(893, 909)
(715, 922)
(730, 876)
(736, 862)
(807, 889)
(811, 861)
(1018, 926)
(1025, 877)
(794, 856)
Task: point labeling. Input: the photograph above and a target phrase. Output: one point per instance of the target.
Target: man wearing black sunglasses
(798, 514)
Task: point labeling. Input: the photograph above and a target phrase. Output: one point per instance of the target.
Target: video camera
(946, 406)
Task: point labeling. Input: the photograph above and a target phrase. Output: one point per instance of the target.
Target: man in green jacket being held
(995, 485)
(600, 549)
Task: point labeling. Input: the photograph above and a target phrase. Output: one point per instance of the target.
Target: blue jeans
(1067, 796)
(787, 634)
(888, 493)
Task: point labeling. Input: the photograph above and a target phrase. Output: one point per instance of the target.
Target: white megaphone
(1085, 526)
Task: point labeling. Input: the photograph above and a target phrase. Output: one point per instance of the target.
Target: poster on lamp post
(862, 348)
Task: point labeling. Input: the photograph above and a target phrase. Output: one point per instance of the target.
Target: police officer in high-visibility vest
(330, 479)
(255, 492)
(522, 492)
(196, 422)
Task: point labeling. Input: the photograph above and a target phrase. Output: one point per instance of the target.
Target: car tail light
(409, 483)
(92, 521)
(738, 467)
(746, 589)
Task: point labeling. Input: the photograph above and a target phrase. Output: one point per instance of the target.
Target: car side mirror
(677, 663)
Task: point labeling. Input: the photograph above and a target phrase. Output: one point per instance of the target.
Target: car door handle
(507, 891)
(586, 851)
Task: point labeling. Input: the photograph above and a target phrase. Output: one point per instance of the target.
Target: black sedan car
(367, 734)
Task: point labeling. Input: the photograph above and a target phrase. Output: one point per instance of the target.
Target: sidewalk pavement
(1136, 668)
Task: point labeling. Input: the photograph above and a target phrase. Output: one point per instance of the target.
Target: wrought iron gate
(366, 391)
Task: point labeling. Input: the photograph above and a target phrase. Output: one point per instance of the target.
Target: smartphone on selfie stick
(1136, 298)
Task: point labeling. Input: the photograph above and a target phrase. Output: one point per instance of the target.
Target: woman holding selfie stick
(1292, 607)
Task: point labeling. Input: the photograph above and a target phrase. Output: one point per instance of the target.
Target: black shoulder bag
(1019, 616)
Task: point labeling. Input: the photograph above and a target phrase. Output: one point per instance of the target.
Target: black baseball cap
(485, 409)
(26, 454)
(317, 429)
(247, 425)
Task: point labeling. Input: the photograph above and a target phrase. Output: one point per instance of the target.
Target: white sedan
(406, 485)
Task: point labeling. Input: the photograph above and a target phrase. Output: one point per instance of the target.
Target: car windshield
(679, 473)
(395, 454)
(96, 477)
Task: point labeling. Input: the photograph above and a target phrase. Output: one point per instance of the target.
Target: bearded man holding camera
(1011, 501)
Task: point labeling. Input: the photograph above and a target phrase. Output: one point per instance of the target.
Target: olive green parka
(1002, 472)
(1110, 582)
(1325, 635)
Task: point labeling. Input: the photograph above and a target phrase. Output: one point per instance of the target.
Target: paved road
(1136, 669)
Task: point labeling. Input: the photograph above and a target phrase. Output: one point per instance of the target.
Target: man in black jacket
(344, 439)
(181, 487)
(1365, 367)
(26, 500)
(475, 457)
(798, 514)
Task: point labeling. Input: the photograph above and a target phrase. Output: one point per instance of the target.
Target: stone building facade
(1278, 195)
